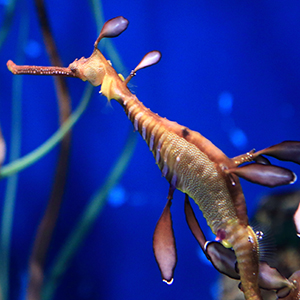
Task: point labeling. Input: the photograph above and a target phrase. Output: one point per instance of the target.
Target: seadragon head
(95, 69)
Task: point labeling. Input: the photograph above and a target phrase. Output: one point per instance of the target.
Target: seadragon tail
(245, 245)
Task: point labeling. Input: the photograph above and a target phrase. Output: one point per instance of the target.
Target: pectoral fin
(223, 259)
(270, 279)
(288, 293)
(262, 160)
(193, 223)
(297, 220)
(164, 245)
(287, 150)
(266, 175)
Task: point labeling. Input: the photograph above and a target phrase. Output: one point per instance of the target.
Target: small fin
(149, 59)
(112, 28)
(292, 292)
(164, 245)
(297, 220)
(262, 160)
(270, 279)
(223, 259)
(266, 175)
(287, 150)
(285, 292)
(193, 223)
(266, 241)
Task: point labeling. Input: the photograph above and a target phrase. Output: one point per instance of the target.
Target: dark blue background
(229, 69)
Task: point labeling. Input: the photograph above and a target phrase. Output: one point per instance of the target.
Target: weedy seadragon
(193, 165)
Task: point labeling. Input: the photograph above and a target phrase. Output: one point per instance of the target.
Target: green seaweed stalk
(32, 157)
(87, 220)
(12, 182)
(96, 203)
(7, 20)
(47, 224)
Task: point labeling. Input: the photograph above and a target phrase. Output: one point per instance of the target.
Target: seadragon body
(193, 165)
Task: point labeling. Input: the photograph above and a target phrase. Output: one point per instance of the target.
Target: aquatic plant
(48, 222)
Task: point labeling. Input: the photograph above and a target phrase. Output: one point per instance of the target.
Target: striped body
(189, 167)
(185, 166)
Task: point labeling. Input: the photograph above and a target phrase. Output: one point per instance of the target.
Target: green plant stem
(87, 219)
(12, 182)
(97, 10)
(42, 150)
(46, 227)
(7, 20)
(11, 191)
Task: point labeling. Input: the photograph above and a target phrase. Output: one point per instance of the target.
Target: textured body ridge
(185, 166)
(198, 177)
(190, 170)
(245, 245)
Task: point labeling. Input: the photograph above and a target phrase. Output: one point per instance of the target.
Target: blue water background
(229, 69)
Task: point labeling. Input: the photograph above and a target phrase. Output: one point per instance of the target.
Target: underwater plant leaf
(287, 151)
(164, 245)
(266, 175)
(223, 259)
(193, 223)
